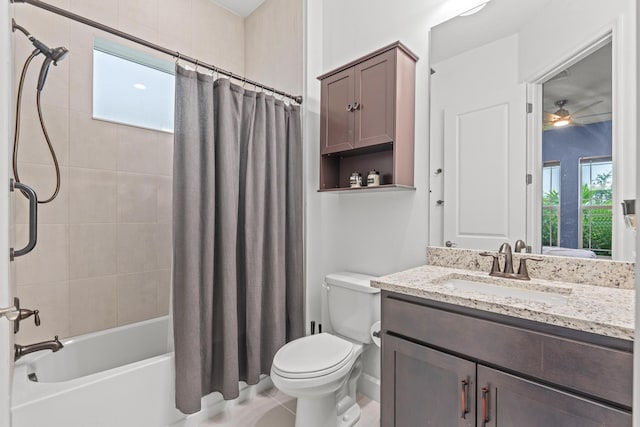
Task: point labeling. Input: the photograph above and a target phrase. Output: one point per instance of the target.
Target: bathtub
(115, 378)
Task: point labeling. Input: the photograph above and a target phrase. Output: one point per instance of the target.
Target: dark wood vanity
(448, 365)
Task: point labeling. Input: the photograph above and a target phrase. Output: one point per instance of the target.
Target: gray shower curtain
(237, 213)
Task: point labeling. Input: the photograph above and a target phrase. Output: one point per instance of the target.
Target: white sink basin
(543, 295)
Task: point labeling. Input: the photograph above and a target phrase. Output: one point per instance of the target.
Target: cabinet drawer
(592, 369)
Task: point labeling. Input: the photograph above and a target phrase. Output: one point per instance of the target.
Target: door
(374, 105)
(424, 387)
(508, 401)
(337, 112)
(484, 135)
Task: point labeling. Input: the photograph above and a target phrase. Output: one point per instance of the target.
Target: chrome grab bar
(33, 219)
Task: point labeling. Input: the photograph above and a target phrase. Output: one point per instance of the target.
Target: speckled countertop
(596, 309)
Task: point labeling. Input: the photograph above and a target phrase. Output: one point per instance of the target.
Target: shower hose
(16, 137)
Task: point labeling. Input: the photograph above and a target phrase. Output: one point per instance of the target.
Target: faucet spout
(22, 350)
(505, 249)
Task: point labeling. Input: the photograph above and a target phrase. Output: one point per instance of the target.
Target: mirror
(504, 82)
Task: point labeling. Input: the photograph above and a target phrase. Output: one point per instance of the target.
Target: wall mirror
(531, 127)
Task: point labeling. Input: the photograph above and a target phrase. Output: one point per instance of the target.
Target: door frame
(6, 97)
(534, 136)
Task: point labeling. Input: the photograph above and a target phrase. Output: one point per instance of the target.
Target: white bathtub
(116, 378)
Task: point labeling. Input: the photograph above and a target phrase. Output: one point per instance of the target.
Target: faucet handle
(495, 266)
(24, 313)
(522, 269)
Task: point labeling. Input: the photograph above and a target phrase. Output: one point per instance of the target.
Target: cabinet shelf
(367, 111)
(377, 188)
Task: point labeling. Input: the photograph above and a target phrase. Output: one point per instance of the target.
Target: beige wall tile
(137, 198)
(93, 143)
(32, 146)
(93, 250)
(174, 21)
(140, 12)
(81, 69)
(105, 12)
(42, 179)
(164, 292)
(218, 36)
(49, 261)
(164, 245)
(92, 197)
(137, 297)
(273, 45)
(165, 201)
(137, 150)
(52, 299)
(165, 154)
(136, 248)
(92, 304)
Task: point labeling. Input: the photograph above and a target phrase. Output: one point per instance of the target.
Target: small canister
(355, 180)
(373, 178)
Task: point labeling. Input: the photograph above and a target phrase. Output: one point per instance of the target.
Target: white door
(484, 135)
(485, 172)
(6, 335)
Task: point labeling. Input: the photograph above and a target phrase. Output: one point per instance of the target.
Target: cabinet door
(337, 115)
(375, 97)
(424, 387)
(508, 401)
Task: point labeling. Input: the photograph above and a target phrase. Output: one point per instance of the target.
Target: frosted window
(131, 87)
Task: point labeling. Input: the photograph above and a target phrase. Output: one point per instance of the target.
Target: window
(596, 177)
(131, 87)
(551, 204)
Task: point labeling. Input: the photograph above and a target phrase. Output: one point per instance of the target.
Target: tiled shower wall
(104, 249)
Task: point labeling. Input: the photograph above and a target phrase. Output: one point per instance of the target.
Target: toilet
(322, 370)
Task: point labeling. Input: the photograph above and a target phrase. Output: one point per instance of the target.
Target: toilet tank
(353, 305)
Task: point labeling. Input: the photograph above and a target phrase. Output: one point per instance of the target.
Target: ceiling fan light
(561, 123)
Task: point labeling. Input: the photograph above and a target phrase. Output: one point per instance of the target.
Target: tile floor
(275, 409)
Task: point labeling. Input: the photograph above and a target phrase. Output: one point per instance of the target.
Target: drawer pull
(464, 405)
(485, 404)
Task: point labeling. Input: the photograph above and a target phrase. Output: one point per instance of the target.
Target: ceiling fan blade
(593, 115)
(586, 107)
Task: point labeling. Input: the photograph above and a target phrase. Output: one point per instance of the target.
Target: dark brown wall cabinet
(367, 119)
(469, 368)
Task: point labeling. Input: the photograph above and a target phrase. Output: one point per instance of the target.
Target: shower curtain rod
(175, 54)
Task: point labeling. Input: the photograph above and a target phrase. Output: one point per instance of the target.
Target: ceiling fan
(562, 117)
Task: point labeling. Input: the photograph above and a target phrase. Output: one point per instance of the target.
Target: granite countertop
(596, 309)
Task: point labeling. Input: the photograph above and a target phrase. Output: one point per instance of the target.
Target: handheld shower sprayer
(50, 56)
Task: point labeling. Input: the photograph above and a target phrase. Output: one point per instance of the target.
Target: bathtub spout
(22, 350)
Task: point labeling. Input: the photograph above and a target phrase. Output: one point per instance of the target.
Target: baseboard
(369, 386)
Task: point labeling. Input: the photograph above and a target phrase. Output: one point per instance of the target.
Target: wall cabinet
(367, 119)
(446, 368)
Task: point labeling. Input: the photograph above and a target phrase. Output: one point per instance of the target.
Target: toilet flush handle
(326, 287)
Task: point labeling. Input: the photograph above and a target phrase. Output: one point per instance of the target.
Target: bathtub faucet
(22, 350)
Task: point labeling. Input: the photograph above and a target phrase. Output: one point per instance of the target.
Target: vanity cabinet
(367, 118)
(446, 365)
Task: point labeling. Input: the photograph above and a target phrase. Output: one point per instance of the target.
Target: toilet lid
(313, 353)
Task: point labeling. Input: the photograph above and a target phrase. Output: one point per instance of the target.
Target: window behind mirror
(551, 204)
(596, 199)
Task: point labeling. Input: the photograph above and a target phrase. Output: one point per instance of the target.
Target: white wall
(377, 233)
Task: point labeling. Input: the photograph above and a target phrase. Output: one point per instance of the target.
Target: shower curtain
(237, 212)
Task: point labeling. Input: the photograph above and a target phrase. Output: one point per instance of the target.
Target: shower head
(51, 55)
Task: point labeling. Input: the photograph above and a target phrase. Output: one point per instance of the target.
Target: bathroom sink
(550, 295)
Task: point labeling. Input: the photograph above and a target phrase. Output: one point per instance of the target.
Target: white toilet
(322, 370)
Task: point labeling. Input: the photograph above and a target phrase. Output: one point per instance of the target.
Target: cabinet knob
(349, 107)
(356, 106)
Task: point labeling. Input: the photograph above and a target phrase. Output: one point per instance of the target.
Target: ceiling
(584, 83)
(240, 7)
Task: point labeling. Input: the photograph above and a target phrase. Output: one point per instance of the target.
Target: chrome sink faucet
(22, 350)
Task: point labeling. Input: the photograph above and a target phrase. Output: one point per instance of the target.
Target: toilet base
(321, 412)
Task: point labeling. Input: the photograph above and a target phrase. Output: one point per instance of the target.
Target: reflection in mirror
(577, 177)
(552, 174)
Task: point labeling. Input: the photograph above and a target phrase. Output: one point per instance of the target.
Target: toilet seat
(313, 356)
